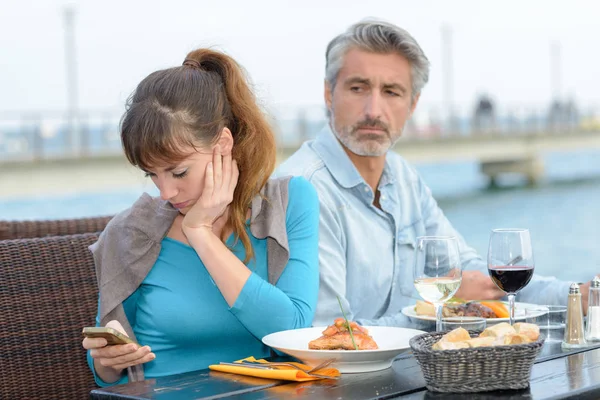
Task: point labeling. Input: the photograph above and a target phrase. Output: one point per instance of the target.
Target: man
(373, 204)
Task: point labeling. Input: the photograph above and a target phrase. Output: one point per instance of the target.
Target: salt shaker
(574, 334)
(592, 331)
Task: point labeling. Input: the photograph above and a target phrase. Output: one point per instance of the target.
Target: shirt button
(366, 188)
(382, 197)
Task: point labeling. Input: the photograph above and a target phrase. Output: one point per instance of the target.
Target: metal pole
(302, 126)
(71, 78)
(555, 72)
(448, 76)
(556, 114)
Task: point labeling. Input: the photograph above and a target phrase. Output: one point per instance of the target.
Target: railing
(44, 135)
(47, 135)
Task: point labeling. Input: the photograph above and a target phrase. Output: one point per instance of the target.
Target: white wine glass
(437, 271)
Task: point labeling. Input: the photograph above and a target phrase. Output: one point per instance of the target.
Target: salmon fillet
(337, 337)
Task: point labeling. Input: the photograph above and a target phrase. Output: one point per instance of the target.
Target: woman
(225, 255)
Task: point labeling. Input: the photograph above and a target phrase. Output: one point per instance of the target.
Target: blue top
(366, 254)
(180, 313)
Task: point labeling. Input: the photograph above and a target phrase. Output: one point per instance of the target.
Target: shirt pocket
(406, 240)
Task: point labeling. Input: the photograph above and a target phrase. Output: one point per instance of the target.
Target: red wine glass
(510, 262)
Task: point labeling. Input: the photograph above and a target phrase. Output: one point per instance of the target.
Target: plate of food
(358, 349)
(492, 311)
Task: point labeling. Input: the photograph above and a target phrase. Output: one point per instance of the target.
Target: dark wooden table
(556, 375)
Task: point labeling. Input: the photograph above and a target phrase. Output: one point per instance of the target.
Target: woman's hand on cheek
(220, 180)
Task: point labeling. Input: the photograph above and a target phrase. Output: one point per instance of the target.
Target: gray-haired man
(373, 204)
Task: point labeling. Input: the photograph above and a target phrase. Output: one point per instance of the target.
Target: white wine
(437, 290)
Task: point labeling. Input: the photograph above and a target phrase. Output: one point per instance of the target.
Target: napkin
(281, 372)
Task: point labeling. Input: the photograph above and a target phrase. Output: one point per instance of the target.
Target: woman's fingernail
(152, 356)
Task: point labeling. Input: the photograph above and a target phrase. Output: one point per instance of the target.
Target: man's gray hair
(377, 36)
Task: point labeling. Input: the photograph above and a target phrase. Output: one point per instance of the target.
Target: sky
(498, 47)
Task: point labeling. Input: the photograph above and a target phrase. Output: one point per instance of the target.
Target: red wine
(511, 279)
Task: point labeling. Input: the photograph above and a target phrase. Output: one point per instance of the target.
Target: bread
(499, 335)
(481, 341)
(442, 345)
(532, 331)
(498, 330)
(455, 339)
(512, 338)
(424, 308)
(456, 335)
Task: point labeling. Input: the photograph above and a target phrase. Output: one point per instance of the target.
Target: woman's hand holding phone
(111, 360)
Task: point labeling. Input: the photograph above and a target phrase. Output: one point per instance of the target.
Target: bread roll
(456, 335)
(502, 329)
(481, 341)
(443, 345)
(511, 338)
(455, 339)
(532, 331)
(424, 308)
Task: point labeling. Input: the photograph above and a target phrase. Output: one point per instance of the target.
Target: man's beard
(368, 145)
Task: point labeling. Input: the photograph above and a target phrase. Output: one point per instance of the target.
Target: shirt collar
(327, 146)
(389, 175)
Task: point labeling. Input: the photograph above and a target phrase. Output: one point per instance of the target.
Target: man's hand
(478, 286)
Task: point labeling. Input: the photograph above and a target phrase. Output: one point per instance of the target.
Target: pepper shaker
(574, 333)
(592, 331)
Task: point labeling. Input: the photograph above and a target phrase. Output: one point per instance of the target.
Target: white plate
(520, 308)
(391, 341)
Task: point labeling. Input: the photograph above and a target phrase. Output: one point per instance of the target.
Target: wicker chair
(48, 293)
(41, 228)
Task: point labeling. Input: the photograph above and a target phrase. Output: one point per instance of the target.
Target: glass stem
(438, 316)
(511, 308)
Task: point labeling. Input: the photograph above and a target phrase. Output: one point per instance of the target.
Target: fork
(271, 365)
(318, 367)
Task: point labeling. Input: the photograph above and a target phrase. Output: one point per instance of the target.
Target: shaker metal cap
(574, 288)
(596, 282)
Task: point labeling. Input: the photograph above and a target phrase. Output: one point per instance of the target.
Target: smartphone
(111, 335)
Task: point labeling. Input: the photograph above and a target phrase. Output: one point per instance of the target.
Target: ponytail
(254, 146)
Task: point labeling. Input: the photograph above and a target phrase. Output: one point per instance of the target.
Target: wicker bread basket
(479, 369)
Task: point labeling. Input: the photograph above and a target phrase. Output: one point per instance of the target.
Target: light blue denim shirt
(365, 253)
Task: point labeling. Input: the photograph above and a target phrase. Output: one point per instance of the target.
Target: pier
(36, 159)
